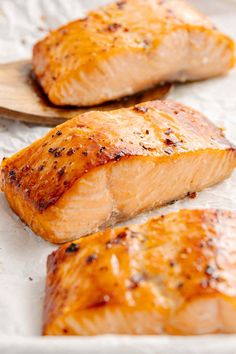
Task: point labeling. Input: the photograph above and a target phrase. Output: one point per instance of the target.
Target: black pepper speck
(61, 171)
(90, 259)
(12, 175)
(70, 152)
(72, 248)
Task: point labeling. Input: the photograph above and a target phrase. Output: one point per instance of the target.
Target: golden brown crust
(137, 26)
(162, 266)
(43, 172)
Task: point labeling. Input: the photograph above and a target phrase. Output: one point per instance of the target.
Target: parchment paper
(23, 255)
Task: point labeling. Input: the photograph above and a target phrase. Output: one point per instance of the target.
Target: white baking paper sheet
(23, 255)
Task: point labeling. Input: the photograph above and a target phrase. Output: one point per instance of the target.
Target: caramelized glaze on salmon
(175, 274)
(103, 167)
(126, 47)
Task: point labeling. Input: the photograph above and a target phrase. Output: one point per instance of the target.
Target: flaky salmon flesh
(126, 47)
(175, 274)
(100, 168)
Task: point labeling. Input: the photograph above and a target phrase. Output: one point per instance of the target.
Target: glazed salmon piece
(175, 274)
(126, 47)
(104, 167)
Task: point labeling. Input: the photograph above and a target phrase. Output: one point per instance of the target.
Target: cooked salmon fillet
(103, 167)
(126, 47)
(175, 274)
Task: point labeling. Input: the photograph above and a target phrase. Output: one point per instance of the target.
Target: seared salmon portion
(126, 47)
(175, 274)
(104, 167)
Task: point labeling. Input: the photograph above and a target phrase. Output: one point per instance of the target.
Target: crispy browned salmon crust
(103, 167)
(126, 47)
(175, 274)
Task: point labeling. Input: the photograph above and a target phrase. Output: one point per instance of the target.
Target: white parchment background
(23, 255)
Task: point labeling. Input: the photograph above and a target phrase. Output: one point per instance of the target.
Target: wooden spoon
(21, 98)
